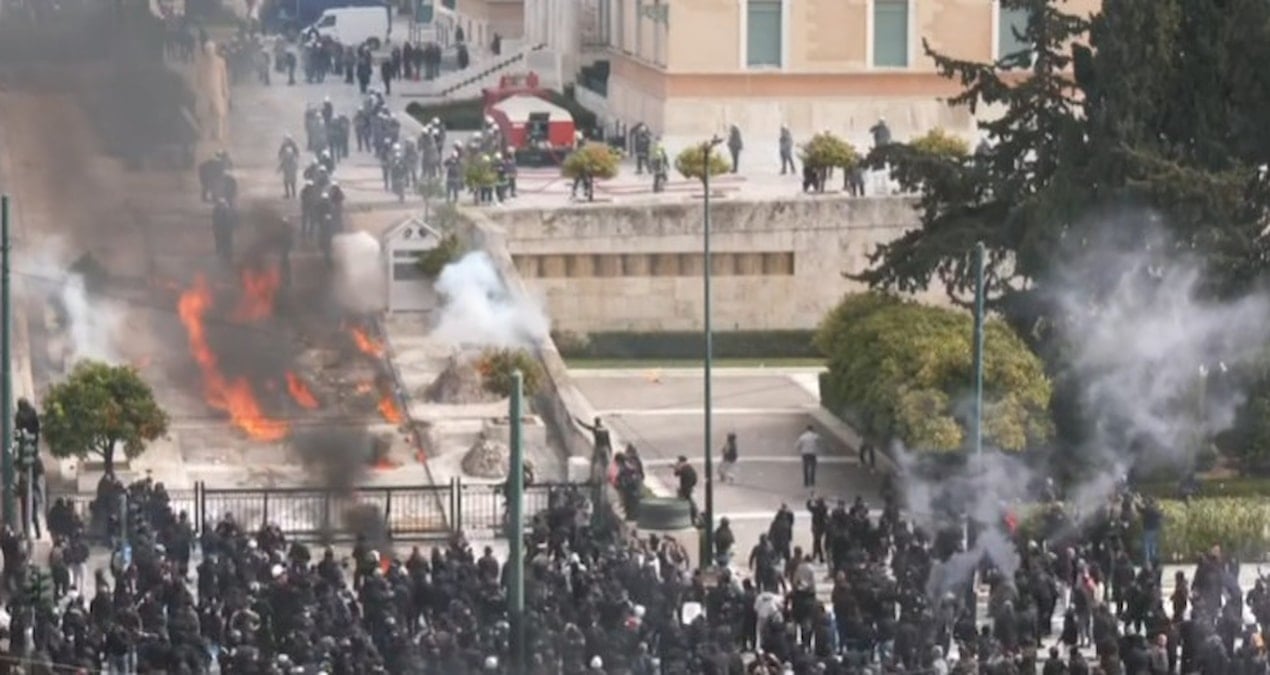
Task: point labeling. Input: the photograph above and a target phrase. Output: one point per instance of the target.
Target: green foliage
(728, 344)
(98, 409)
(903, 371)
(480, 171)
(497, 367)
(596, 160)
(37, 590)
(1161, 110)
(1192, 529)
(827, 151)
(691, 162)
(430, 188)
(447, 251)
(940, 143)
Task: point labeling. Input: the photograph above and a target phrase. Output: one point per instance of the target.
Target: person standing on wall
(808, 446)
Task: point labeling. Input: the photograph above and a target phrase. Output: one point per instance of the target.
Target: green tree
(902, 371)
(497, 366)
(596, 160)
(691, 162)
(480, 172)
(826, 151)
(99, 409)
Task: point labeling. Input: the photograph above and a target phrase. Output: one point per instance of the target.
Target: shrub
(447, 251)
(899, 369)
(479, 171)
(739, 344)
(496, 367)
(827, 151)
(940, 143)
(1237, 525)
(596, 160)
(690, 163)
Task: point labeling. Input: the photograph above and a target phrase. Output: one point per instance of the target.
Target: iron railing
(400, 512)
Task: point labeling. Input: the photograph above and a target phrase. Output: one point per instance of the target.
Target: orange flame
(388, 408)
(259, 289)
(366, 344)
(300, 392)
(234, 397)
(385, 464)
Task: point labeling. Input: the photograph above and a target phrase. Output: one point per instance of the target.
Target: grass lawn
(585, 363)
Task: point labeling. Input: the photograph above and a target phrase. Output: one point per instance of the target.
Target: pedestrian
(808, 447)
(735, 146)
(727, 468)
(787, 151)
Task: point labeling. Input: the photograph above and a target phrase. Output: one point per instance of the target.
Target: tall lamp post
(707, 151)
(977, 421)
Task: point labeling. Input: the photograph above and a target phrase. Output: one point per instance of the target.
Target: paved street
(660, 411)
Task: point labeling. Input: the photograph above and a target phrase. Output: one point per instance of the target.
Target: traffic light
(26, 450)
(39, 589)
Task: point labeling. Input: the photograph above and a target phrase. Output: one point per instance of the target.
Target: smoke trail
(360, 279)
(87, 324)
(480, 310)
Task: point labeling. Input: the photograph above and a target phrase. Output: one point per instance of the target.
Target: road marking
(652, 412)
(761, 459)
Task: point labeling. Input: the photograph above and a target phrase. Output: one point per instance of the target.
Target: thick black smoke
(336, 456)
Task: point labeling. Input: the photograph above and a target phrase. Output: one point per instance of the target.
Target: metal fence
(400, 512)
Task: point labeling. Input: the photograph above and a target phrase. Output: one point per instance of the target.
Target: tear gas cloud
(1143, 343)
(89, 323)
(480, 310)
(1138, 334)
(360, 279)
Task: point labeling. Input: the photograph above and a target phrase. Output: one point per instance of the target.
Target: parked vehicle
(369, 26)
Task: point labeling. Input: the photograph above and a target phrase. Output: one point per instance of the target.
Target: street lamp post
(707, 152)
(977, 430)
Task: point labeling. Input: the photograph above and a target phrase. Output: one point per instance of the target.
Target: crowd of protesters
(239, 597)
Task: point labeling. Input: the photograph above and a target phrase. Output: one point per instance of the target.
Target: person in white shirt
(808, 446)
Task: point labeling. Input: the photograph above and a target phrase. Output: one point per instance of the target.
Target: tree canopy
(691, 162)
(902, 371)
(1160, 109)
(1144, 118)
(594, 160)
(98, 409)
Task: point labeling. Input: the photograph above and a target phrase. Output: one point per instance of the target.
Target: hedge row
(686, 345)
(1226, 487)
(1240, 526)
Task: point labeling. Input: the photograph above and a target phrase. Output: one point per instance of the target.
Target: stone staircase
(476, 77)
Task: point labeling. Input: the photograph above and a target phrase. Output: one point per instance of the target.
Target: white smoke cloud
(1148, 347)
(86, 326)
(361, 283)
(480, 310)
(1144, 339)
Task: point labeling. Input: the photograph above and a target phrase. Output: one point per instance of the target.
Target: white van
(354, 26)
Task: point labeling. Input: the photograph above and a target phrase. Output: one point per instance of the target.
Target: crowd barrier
(306, 513)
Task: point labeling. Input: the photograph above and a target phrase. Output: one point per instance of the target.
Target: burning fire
(259, 289)
(300, 392)
(234, 397)
(366, 344)
(388, 408)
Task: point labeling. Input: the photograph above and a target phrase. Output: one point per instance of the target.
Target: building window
(763, 33)
(1011, 25)
(890, 33)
